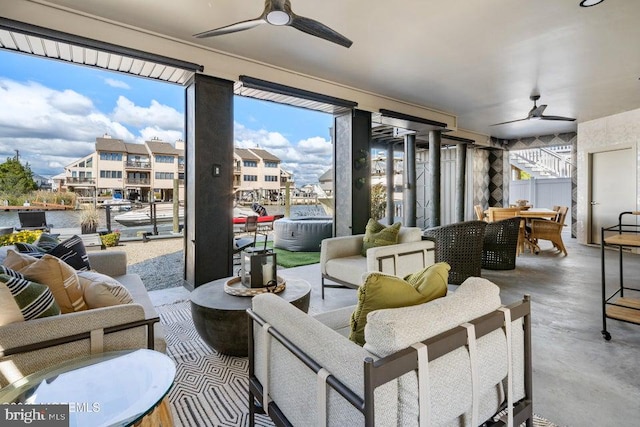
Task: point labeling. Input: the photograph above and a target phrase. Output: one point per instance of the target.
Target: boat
(164, 214)
(117, 204)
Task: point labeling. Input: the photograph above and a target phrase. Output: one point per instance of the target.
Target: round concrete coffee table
(221, 319)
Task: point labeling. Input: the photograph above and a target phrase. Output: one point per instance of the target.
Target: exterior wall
(264, 171)
(110, 165)
(608, 133)
(161, 167)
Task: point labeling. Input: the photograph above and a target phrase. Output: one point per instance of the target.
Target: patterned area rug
(211, 389)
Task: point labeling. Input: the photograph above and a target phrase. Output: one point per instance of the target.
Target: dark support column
(434, 175)
(409, 192)
(208, 180)
(461, 169)
(389, 174)
(352, 172)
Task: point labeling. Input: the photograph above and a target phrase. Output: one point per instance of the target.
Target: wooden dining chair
(479, 212)
(542, 229)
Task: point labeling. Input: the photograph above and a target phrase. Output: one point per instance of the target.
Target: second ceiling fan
(279, 13)
(536, 113)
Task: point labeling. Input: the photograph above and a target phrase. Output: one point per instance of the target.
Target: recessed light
(589, 3)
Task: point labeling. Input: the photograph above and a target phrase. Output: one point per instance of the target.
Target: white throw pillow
(101, 290)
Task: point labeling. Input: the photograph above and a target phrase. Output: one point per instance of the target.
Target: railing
(137, 165)
(80, 180)
(138, 181)
(544, 161)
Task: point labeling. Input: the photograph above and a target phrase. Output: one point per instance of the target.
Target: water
(71, 219)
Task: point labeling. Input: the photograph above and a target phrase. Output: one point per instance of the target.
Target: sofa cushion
(377, 292)
(61, 278)
(17, 261)
(348, 269)
(32, 300)
(47, 242)
(431, 281)
(30, 249)
(377, 234)
(388, 331)
(100, 290)
(73, 252)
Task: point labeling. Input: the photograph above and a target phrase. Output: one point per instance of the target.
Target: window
(164, 159)
(164, 175)
(74, 174)
(90, 162)
(81, 164)
(271, 178)
(250, 177)
(111, 174)
(111, 156)
(270, 164)
(250, 163)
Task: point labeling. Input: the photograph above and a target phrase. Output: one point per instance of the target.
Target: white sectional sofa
(29, 346)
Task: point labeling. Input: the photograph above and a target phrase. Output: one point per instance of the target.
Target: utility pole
(17, 155)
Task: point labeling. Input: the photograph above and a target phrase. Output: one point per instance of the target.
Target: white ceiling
(479, 60)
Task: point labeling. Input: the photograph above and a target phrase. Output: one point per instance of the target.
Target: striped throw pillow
(73, 252)
(34, 300)
(30, 249)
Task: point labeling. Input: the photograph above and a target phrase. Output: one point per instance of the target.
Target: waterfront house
(134, 171)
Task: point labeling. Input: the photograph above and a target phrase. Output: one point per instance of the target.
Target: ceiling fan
(279, 13)
(536, 114)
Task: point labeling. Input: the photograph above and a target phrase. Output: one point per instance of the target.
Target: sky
(52, 112)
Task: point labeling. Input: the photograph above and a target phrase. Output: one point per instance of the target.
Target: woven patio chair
(500, 245)
(459, 245)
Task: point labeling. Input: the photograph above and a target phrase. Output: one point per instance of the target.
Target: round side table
(222, 321)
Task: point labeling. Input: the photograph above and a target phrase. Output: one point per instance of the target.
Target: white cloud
(52, 128)
(148, 133)
(118, 84)
(307, 160)
(155, 114)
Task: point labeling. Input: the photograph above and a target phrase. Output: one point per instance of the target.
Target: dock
(38, 206)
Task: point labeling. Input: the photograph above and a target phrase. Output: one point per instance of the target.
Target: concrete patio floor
(579, 378)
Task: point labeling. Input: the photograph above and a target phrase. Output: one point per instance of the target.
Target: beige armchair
(341, 261)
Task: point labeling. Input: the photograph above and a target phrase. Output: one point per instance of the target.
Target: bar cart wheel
(606, 335)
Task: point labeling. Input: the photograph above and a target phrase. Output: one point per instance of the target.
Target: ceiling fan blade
(318, 29)
(233, 28)
(510, 121)
(537, 111)
(559, 118)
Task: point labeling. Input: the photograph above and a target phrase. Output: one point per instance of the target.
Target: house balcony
(129, 164)
(138, 181)
(80, 181)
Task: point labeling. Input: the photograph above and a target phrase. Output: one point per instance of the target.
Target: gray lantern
(258, 268)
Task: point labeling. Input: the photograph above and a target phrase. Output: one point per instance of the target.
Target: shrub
(111, 239)
(25, 236)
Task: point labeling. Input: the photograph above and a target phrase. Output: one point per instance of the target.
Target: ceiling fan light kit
(589, 3)
(279, 13)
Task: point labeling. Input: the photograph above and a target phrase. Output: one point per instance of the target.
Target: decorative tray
(235, 287)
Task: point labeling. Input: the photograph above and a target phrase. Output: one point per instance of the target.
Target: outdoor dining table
(538, 213)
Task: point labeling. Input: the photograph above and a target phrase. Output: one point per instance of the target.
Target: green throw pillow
(381, 291)
(377, 234)
(33, 299)
(431, 281)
